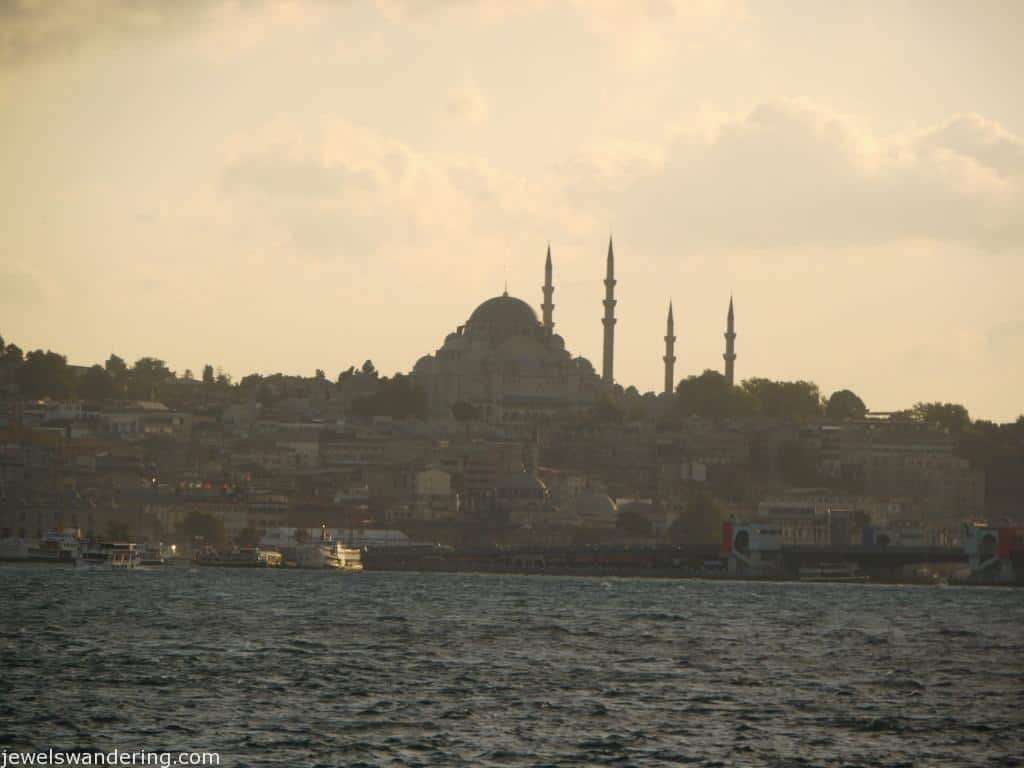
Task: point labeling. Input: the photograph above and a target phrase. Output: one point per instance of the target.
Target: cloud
(31, 30)
(353, 190)
(20, 287)
(466, 103)
(791, 173)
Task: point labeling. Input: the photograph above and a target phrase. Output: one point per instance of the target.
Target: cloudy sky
(291, 185)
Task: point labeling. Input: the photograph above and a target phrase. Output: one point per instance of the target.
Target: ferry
(57, 547)
(328, 553)
(108, 555)
(155, 554)
(15, 549)
(242, 557)
(833, 572)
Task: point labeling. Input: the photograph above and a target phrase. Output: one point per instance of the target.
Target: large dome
(504, 311)
(501, 318)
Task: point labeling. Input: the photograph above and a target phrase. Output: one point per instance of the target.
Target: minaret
(609, 318)
(547, 307)
(670, 356)
(730, 349)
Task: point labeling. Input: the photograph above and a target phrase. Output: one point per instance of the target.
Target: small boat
(108, 555)
(241, 557)
(833, 572)
(61, 546)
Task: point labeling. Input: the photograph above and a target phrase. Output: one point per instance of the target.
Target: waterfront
(315, 668)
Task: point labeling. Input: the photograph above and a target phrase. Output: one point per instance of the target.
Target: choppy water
(312, 668)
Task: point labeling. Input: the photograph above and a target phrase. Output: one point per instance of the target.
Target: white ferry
(107, 556)
(155, 554)
(61, 546)
(328, 553)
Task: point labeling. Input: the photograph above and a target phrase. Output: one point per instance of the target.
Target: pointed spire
(608, 367)
(730, 345)
(506, 289)
(547, 308)
(670, 352)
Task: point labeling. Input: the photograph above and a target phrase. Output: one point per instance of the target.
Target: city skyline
(187, 184)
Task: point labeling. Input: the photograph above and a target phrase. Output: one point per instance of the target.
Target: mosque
(513, 368)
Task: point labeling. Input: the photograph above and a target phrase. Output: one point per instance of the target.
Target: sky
(285, 186)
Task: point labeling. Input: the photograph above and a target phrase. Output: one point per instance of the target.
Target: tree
(464, 412)
(710, 396)
(44, 374)
(631, 524)
(188, 375)
(605, 411)
(96, 385)
(789, 400)
(844, 404)
(949, 416)
(320, 374)
(201, 525)
(208, 375)
(368, 368)
(146, 377)
(397, 397)
(248, 537)
(700, 522)
(118, 371)
(12, 354)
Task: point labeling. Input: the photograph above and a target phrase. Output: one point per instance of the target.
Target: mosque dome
(504, 312)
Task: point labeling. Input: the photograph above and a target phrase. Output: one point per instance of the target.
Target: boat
(241, 557)
(155, 554)
(61, 546)
(15, 549)
(108, 555)
(833, 572)
(328, 553)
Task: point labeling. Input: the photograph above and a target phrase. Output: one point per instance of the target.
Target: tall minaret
(730, 349)
(547, 307)
(609, 318)
(670, 357)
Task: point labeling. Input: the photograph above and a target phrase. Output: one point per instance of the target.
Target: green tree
(710, 396)
(606, 411)
(397, 397)
(44, 374)
(96, 385)
(949, 416)
(700, 522)
(789, 400)
(844, 404)
(12, 354)
(631, 524)
(147, 376)
(201, 525)
(465, 412)
(248, 537)
(118, 371)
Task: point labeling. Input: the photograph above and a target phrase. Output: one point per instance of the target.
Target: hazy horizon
(289, 186)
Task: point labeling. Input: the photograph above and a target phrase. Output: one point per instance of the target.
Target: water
(313, 668)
